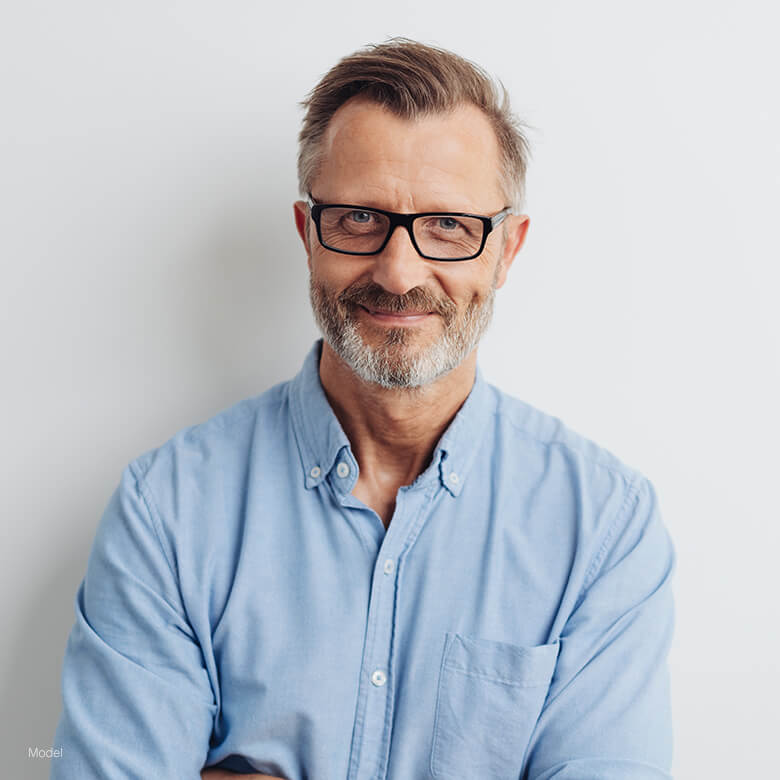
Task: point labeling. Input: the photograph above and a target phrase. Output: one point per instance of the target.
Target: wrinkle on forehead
(438, 161)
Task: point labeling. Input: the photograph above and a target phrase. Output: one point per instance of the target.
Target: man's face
(397, 319)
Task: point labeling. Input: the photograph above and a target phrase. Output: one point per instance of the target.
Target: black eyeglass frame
(406, 220)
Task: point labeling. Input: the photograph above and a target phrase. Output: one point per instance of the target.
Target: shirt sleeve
(607, 715)
(137, 699)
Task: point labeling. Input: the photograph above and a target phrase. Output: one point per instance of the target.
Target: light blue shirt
(241, 606)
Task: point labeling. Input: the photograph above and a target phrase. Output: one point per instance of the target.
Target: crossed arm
(120, 693)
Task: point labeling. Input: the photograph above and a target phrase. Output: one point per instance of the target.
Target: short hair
(412, 79)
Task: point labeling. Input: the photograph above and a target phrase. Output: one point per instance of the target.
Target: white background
(151, 276)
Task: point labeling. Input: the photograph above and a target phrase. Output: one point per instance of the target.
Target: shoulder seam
(632, 495)
(154, 515)
(628, 474)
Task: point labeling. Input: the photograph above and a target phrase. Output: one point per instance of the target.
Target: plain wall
(151, 276)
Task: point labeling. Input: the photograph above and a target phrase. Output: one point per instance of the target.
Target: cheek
(468, 287)
(328, 274)
(335, 273)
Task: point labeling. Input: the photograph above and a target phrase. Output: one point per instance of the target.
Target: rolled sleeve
(137, 698)
(608, 713)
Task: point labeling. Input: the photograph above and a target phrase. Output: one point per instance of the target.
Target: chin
(379, 336)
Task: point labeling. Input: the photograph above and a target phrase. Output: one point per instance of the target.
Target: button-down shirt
(241, 606)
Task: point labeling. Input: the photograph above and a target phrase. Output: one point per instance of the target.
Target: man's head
(407, 128)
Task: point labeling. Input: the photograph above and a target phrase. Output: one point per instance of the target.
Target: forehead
(442, 160)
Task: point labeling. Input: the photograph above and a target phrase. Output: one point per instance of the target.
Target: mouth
(396, 319)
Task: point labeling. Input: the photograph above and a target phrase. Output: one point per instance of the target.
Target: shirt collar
(319, 433)
(321, 438)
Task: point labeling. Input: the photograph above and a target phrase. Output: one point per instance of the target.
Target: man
(384, 568)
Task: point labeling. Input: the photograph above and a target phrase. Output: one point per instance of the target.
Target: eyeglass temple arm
(500, 217)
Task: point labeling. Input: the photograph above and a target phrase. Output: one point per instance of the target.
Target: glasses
(436, 235)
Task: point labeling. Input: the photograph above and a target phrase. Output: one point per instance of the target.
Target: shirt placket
(374, 713)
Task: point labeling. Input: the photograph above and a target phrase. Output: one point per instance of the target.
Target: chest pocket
(489, 698)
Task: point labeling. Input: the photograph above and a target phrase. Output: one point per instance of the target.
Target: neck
(393, 432)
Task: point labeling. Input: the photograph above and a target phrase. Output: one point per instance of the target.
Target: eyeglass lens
(437, 236)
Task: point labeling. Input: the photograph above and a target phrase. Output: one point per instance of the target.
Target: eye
(448, 223)
(361, 217)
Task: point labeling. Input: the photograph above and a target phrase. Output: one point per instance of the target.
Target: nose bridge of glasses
(397, 264)
(400, 220)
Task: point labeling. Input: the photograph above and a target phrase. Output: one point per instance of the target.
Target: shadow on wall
(234, 303)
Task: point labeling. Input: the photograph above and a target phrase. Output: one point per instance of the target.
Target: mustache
(371, 295)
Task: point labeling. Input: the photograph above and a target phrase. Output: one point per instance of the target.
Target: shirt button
(315, 472)
(454, 478)
(389, 566)
(342, 470)
(378, 677)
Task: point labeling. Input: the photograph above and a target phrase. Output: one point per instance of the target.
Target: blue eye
(448, 223)
(360, 216)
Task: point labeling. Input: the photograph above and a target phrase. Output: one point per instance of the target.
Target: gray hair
(412, 79)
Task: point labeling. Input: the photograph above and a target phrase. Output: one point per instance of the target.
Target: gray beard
(391, 364)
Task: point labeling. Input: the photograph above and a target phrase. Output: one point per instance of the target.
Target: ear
(301, 212)
(516, 231)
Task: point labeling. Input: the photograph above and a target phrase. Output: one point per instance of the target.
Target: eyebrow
(371, 205)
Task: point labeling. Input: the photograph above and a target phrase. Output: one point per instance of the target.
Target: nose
(398, 268)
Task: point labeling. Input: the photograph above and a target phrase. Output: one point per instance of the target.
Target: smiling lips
(397, 318)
